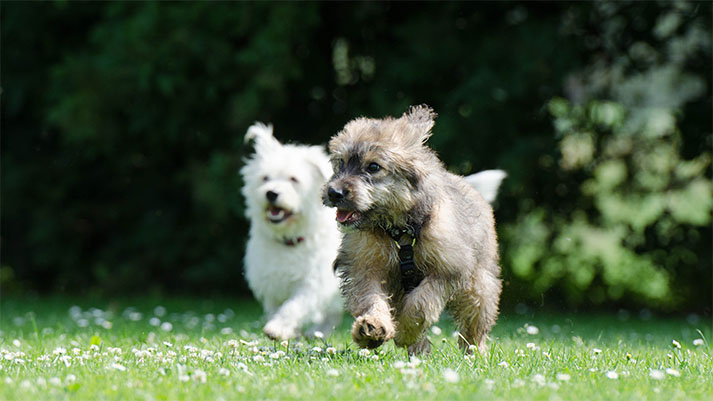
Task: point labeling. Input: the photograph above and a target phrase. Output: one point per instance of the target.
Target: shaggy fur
(385, 178)
(293, 237)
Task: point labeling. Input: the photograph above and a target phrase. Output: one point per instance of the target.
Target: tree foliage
(638, 205)
(123, 122)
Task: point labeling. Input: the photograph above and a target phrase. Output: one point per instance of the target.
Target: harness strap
(411, 276)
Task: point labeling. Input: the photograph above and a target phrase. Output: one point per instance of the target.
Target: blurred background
(123, 124)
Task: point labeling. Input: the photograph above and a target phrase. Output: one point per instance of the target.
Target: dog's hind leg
(475, 310)
(420, 347)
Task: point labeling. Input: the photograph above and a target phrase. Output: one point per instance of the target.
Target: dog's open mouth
(347, 217)
(276, 214)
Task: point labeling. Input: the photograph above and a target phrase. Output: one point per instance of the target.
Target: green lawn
(213, 350)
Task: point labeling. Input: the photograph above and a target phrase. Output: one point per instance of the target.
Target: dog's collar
(293, 241)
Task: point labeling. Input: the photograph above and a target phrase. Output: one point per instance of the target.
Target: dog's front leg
(421, 308)
(369, 304)
(285, 323)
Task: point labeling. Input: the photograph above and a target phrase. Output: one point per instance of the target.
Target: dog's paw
(279, 331)
(370, 332)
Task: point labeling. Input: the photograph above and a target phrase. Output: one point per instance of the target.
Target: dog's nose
(336, 195)
(271, 195)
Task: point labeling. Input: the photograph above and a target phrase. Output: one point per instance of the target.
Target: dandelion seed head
(612, 375)
(118, 366)
(675, 344)
(563, 377)
(199, 376)
(166, 326)
(436, 330)
(532, 330)
(331, 350)
(673, 372)
(698, 342)
(539, 379)
(450, 375)
(656, 374)
(364, 352)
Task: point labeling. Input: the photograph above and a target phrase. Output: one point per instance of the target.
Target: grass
(55, 349)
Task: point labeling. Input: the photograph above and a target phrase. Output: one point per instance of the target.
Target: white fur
(487, 183)
(295, 284)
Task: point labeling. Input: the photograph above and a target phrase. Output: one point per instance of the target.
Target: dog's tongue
(344, 215)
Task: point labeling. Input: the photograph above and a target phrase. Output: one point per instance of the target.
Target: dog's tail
(262, 134)
(487, 183)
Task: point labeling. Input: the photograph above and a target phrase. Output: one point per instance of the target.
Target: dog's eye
(294, 179)
(373, 168)
(265, 178)
(341, 165)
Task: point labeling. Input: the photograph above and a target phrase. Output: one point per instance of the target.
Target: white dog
(293, 237)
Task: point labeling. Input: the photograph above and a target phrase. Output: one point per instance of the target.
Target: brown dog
(416, 237)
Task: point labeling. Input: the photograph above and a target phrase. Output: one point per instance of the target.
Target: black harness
(405, 240)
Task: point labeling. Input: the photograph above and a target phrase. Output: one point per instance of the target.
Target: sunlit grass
(193, 350)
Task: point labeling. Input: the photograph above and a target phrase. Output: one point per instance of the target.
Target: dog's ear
(419, 120)
(262, 135)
